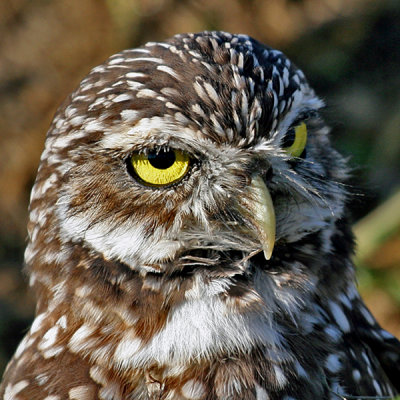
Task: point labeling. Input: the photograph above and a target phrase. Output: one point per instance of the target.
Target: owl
(189, 238)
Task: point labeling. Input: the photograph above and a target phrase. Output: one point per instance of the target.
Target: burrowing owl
(189, 238)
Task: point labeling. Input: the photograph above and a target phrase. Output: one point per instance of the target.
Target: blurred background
(349, 50)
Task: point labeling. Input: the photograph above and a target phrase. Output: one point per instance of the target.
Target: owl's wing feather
(386, 349)
(373, 356)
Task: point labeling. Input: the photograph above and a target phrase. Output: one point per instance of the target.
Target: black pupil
(289, 138)
(162, 159)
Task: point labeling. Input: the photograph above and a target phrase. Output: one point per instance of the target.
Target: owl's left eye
(160, 167)
(295, 140)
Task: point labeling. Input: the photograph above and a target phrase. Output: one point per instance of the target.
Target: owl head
(203, 152)
(189, 239)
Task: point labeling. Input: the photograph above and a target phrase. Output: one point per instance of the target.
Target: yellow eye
(296, 140)
(160, 168)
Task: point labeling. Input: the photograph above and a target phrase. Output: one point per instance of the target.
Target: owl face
(206, 149)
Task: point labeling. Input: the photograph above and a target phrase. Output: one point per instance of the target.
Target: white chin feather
(126, 242)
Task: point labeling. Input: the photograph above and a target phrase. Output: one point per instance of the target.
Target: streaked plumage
(153, 290)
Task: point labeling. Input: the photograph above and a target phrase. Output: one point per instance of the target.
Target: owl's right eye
(296, 140)
(160, 167)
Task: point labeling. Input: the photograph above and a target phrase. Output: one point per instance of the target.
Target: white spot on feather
(133, 85)
(80, 337)
(130, 115)
(367, 315)
(212, 93)
(83, 392)
(42, 379)
(49, 338)
(148, 59)
(11, 391)
(98, 375)
(38, 321)
(300, 370)
(53, 351)
(377, 387)
(339, 316)
(26, 342)
(199, 90)
(134, 75)
(169, 71)
(280, 376)
(146, 93)
(333, 363)
(198, 110)
(122, 97)
(261, 393)
(334, 333)
(172, 105)
(128, 348)
(356, 375)
(193, 390)
(116, 60)
(94, 126)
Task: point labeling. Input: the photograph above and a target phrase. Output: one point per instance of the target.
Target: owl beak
(263, 214)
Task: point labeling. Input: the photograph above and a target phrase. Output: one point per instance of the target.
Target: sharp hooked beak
(262, 214)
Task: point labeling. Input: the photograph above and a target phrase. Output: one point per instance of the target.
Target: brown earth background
(349, 49)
